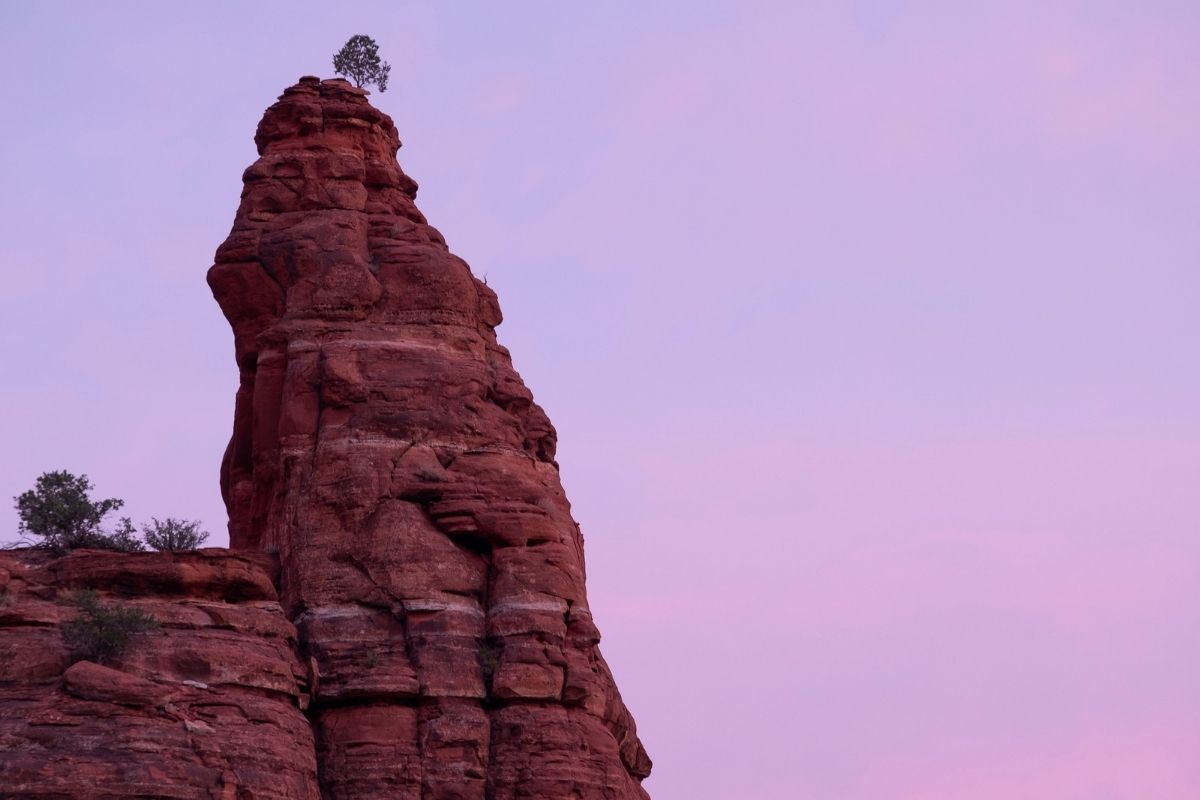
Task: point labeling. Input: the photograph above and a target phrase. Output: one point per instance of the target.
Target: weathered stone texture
(384, 445)
(207, 706)
(390, 476)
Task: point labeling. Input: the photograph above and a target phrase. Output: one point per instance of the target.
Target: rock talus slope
(385, 448)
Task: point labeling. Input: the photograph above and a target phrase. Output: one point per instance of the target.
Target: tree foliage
(124, 538)
(60, 511)
(103, 632)
(174, 534)
(359, 61)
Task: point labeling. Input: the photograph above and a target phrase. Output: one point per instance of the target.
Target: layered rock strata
(385, 448)
(209, 705)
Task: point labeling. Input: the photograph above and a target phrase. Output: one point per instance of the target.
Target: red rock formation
(385, 447)
(208, 706)
(434, 639)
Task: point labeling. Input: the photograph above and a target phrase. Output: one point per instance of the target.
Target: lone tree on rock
(359, 61)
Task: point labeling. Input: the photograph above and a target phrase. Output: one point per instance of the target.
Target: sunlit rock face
(386, 450)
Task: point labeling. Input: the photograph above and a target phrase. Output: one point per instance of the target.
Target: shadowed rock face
(384, 446)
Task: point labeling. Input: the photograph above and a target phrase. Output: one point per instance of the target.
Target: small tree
(60, 511)
(174, 534)
(359, 61)
(102, 631)
(124, 538)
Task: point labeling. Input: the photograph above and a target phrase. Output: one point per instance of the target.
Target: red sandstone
(208, 706)
(434, 638)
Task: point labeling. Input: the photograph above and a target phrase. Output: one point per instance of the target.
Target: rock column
(384, 446)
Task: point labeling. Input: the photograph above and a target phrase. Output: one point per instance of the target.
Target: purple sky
(869, 329)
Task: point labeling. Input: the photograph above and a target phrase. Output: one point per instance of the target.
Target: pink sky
(869, 329)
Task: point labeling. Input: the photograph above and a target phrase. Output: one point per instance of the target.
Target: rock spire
(385, 448)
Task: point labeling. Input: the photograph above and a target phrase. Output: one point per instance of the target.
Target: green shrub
(174, 534)
(123, 539)
(103, 632)
(60, 511)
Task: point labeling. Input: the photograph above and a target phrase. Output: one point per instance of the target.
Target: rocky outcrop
(384, 446)
(209, 705)
(403, 611)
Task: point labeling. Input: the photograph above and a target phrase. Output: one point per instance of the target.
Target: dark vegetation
(102, 632)
(59, 510)
(359, 61)
(174, 534)
(61, 516)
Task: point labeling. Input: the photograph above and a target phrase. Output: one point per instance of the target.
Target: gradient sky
(869, 330)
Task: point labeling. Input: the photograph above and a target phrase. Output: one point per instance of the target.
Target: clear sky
(869, 329)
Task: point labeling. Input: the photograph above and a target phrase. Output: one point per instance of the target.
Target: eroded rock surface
(403, 612)
(209, 705)
(384, 446)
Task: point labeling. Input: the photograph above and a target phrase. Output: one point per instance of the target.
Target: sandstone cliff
(432, 637)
